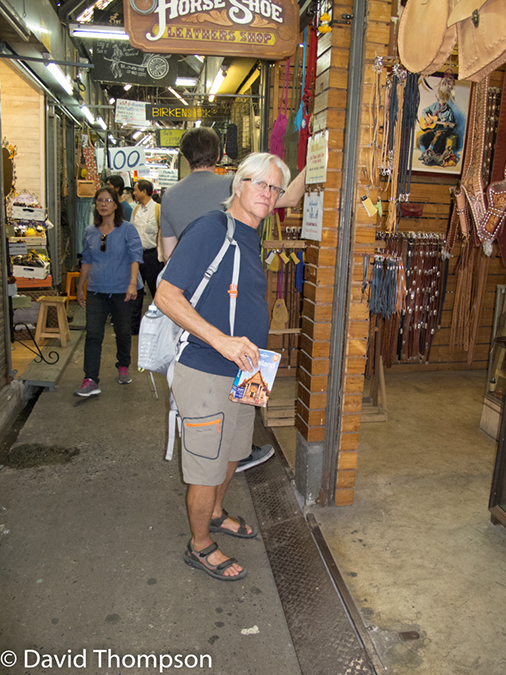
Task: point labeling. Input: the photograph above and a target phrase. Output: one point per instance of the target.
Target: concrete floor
(93, 555)
(417, 548)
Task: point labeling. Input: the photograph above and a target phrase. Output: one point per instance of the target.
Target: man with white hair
(217, 433)
(198, 193)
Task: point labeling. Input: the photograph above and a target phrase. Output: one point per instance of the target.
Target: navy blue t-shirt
(195, 251)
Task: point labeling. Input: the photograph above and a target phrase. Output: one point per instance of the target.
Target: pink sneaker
(124, 375)
(88, 388)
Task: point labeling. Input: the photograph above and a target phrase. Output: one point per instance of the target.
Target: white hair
(257, 166)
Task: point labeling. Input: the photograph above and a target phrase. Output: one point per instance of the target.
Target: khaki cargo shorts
(215, 431)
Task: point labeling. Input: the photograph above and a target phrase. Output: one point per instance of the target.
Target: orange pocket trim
(205, 424)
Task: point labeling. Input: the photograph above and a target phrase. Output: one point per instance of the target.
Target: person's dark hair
(129, 191)
(156, 197)
(145, 186)
(117, 182)
(201, 147)
(119, 216)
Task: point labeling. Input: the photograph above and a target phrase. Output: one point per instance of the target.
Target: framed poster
(440, 132)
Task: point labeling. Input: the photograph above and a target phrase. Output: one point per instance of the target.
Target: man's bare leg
(200, 501)
(229, 523)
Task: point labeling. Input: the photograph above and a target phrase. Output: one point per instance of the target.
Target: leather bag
(86, 188)
(410, 210)
(481, 39)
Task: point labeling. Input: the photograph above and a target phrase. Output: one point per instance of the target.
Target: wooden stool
(71, 286)
(43, 330)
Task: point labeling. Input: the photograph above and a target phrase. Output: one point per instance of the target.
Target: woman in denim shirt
(112, 251)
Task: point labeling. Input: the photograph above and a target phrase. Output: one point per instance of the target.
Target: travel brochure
(254, 388)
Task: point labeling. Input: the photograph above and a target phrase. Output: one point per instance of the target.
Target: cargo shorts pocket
(202, 435)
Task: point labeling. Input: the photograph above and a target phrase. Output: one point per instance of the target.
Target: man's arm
(169, 244)
(171, 301)
(293, 192)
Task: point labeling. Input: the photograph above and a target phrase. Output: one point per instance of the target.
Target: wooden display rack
(374, 406)
(280, 409)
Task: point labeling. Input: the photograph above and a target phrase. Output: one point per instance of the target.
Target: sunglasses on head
(103, 242)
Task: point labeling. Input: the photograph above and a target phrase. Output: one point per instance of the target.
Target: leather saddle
(428, 30)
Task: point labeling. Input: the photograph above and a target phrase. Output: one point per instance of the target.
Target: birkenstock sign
(264, 29)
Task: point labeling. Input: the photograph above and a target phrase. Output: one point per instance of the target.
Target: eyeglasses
(260, 185)
(104, 201)
(103, 242)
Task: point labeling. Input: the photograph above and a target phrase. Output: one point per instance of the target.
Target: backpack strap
(229, 241)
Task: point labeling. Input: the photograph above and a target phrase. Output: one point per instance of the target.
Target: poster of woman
(441, 128)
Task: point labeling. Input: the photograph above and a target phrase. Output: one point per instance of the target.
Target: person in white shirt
(145, 217)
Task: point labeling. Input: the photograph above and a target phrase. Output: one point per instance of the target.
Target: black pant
(98, 308)
(150, 268)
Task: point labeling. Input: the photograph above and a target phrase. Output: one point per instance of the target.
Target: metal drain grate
(323, 637)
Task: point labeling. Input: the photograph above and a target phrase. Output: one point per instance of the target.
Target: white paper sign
(317, 154)
(312, 216)
(127, 159)
(131, 112)
(167, 177)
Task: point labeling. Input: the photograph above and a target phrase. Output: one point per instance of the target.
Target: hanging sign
(120, 62)
(312, 216)
(317, 154)
(130, 112)
(127, 159)
(263, 29)
(177, 112)
(170, 138)
(167, 177)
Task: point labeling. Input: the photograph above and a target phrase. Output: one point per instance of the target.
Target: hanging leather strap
(499, 165)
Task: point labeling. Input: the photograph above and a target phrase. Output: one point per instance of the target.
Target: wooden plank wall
(23, 125)
(4, 323)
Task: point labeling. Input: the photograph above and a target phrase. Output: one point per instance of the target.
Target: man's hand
(240, 350)
(131, 293)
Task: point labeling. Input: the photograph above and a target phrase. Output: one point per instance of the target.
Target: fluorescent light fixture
(112, 139)
(136, 134)
(217, 82)
(198, 123)
(174, 93)
(86, 112)
(185, 81)
(102, 123)
(161, 151)
(126, 87)
(112, 100)
(97, 32)
(62, 79)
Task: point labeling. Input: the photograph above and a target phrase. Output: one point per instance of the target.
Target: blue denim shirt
(111, 269)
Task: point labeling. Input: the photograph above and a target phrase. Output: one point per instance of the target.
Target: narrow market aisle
(417, 547)
(97, 530)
